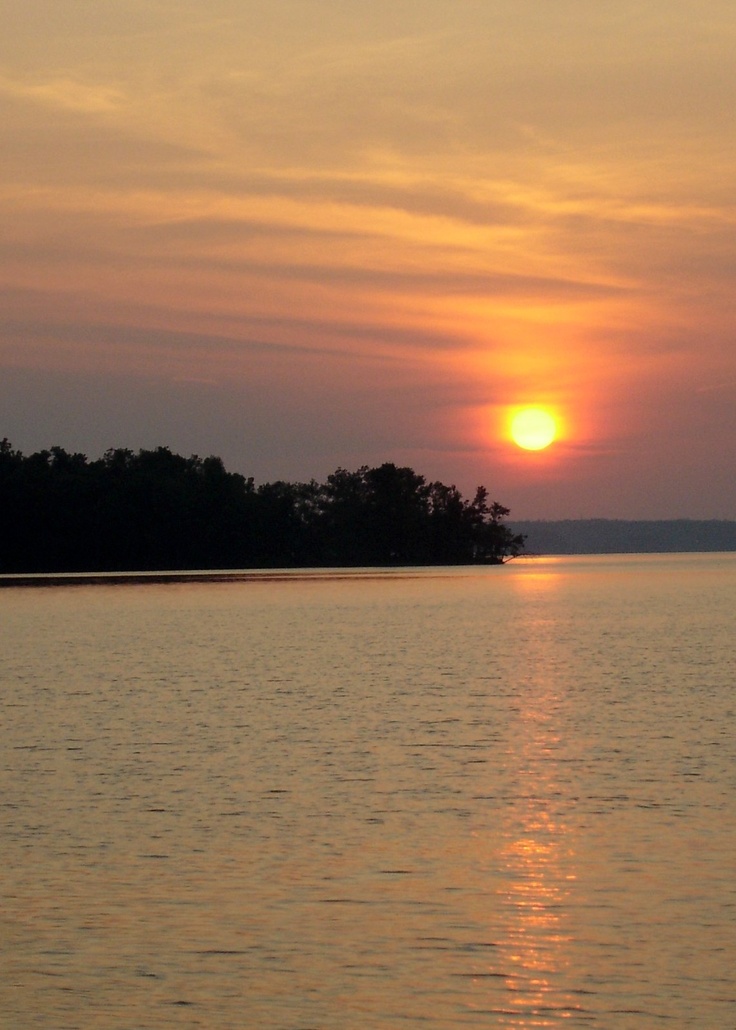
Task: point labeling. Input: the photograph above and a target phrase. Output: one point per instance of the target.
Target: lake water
(478, 797)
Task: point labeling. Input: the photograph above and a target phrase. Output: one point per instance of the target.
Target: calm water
(501, 797)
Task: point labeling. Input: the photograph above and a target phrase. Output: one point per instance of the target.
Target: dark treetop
(156, 510)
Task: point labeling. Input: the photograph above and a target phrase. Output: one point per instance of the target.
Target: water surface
(495, 797)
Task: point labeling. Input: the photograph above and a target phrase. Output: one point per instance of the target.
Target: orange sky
(313, 234)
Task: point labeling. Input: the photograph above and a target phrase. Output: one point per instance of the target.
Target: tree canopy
(156, 510)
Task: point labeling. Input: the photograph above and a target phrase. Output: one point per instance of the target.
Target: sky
(326, 233)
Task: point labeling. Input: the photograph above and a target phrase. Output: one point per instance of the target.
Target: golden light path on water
(537, 866)
(536, 857)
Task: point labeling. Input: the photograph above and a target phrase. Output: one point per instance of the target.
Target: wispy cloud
(66, 93)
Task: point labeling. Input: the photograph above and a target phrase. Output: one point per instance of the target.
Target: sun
(533, 428)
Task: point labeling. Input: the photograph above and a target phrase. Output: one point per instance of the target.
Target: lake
(468, 797)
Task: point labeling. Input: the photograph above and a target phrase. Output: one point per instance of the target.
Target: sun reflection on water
(533, 904)
(535, 860)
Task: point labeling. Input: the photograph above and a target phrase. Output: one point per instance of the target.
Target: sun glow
(533, 428)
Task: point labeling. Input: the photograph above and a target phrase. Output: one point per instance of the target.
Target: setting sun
(533, 428)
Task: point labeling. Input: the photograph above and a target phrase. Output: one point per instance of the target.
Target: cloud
(65, 93)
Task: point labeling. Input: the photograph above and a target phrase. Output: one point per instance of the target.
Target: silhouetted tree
(159, 510)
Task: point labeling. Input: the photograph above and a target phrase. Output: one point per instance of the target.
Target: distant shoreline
(625, 536)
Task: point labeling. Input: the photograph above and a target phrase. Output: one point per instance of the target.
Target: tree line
(156, 510)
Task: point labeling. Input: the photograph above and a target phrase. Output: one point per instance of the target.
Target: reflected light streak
(535, 862)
